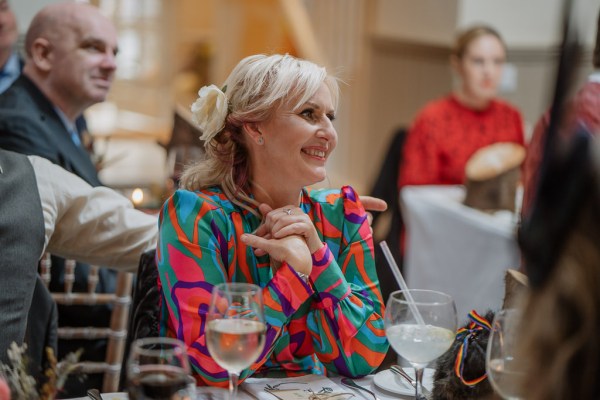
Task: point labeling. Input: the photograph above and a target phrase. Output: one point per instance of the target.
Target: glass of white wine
(422, 331)
(504, 366)
(235, 328)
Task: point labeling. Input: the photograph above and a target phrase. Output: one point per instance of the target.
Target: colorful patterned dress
(332, 324)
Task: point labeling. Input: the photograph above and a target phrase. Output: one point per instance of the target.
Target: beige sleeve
(93, 225)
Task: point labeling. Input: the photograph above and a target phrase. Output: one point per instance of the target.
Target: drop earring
(260, 140)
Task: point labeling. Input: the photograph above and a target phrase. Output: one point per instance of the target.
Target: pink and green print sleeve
(332, 324)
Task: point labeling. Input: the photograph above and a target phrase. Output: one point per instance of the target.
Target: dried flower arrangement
(23, 386)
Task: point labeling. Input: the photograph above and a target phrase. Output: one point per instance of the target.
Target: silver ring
(287, 211)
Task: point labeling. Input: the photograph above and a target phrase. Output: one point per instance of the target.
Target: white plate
(394, 383)
(108, 396)
(114, 396)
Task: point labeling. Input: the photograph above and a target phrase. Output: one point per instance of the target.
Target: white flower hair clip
(210, 110)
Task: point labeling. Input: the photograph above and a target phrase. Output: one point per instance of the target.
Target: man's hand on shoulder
(372, 204)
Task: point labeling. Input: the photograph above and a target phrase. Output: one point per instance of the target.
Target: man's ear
(41, 54)
(252, 129)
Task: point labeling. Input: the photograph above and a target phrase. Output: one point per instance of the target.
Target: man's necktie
(75, 137)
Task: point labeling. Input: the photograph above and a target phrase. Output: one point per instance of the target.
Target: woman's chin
(313, 179)
(485, 95)
(479, 95)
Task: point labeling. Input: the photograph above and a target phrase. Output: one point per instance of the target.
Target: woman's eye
(314, 115)
(308, 113)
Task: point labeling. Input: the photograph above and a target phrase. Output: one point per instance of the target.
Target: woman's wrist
(315, 245)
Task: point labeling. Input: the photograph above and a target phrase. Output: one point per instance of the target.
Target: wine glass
(504, 369)
(158, 369)
(235, 328)
(423, 339)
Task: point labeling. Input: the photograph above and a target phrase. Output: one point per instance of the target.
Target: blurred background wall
(392, 55)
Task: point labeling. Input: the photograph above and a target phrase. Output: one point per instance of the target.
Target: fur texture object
(448, 386)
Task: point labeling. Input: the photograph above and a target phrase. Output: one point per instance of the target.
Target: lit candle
(137, 196)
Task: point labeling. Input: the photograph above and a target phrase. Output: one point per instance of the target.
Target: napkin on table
(314, 387)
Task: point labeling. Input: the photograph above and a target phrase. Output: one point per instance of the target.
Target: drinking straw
(401, 282)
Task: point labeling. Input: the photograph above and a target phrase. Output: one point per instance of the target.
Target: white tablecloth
(456, 249)
(210, 393)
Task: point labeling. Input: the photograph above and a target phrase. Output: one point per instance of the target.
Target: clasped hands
(288, 234)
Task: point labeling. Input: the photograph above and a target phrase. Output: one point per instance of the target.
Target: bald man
(70, 66)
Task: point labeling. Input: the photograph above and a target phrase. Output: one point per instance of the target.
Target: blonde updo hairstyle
(255, 89)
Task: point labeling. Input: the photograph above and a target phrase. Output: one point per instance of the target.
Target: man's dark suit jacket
(30, 125)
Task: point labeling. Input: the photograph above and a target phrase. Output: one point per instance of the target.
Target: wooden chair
(115, 333)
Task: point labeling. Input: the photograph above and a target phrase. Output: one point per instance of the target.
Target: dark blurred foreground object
(560, 241)
(563, 309)
(566, 176)
(582, 109)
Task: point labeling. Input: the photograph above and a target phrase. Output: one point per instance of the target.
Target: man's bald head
(71, 49)
(54, 20)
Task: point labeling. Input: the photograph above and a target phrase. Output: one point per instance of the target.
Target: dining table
(398, 388)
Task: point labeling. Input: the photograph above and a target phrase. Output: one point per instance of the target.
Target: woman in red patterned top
(449, 130)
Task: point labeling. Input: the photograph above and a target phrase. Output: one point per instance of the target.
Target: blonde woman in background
(447, 131)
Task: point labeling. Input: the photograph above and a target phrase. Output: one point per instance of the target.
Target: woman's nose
(494, 66)
(327, 130)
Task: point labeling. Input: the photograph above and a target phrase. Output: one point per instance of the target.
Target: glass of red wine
(158, 369)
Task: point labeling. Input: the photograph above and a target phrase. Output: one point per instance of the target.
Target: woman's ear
(455, 64)
(252, 129)
(41, 50)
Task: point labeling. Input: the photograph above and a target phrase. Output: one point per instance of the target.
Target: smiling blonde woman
(245, 214)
